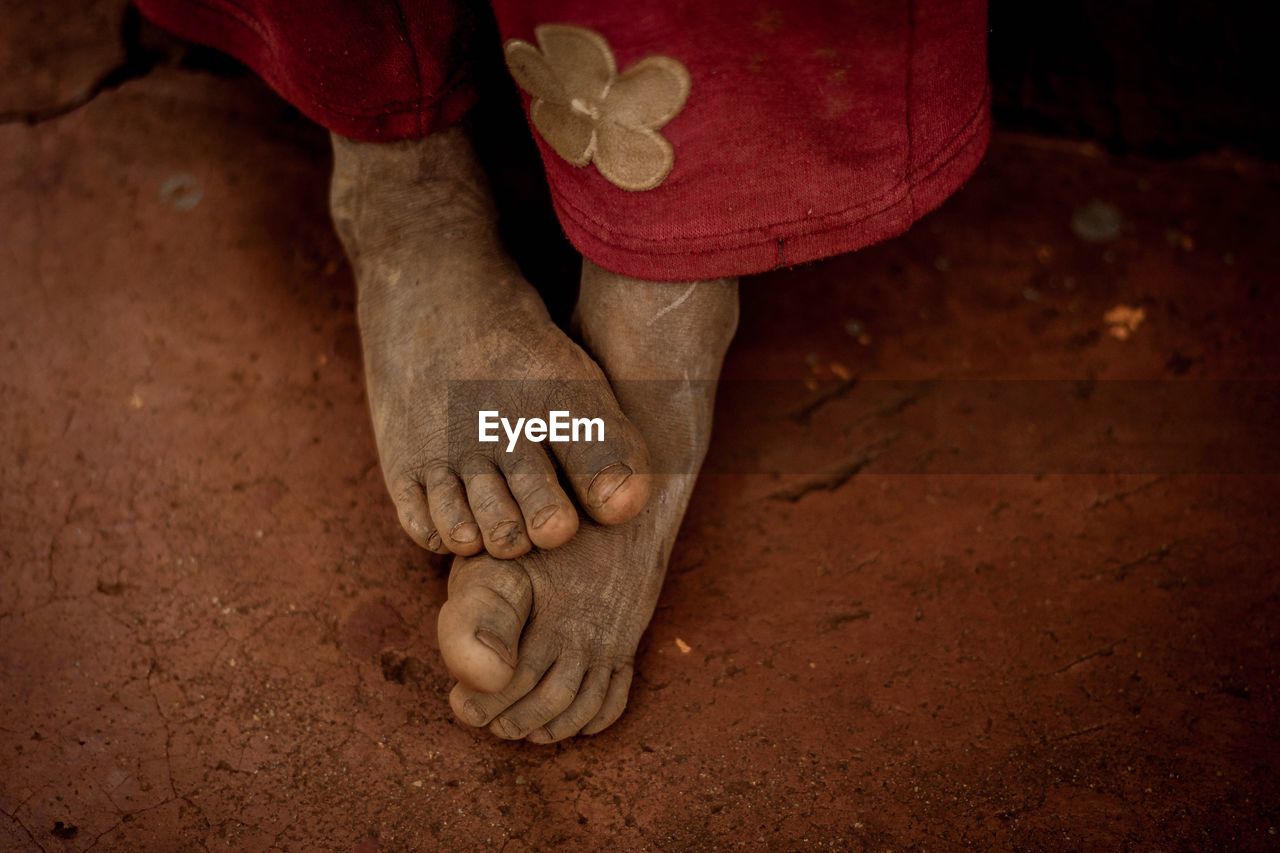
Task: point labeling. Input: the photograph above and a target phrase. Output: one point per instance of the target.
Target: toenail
(464, 531)
(508, 728)
(473, 712)
(607, 481)
(505, 531)
(433, 541)
(543, 515)
(494, 642)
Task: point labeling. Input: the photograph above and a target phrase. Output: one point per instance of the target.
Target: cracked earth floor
(213, 634)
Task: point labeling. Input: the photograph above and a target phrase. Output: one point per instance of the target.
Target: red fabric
(375, 70)
(811, 129)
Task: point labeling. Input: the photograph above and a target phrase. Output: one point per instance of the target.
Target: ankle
(658, 329)
(384, 195)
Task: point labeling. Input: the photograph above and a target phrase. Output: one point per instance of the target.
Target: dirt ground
(213, 634)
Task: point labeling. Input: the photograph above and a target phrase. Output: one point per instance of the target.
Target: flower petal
(570, 134)
(532, 73)
(648, 94)
(632, 158)
(580, 58)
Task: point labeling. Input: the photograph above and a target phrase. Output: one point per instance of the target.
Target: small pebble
(1097, 222)
(182, 191)
(1123, 320)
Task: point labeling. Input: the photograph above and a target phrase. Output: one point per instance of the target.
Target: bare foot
(444, 314)
(543, 646)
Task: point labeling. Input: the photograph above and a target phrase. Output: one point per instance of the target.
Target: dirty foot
(543, 646)
(444, 314)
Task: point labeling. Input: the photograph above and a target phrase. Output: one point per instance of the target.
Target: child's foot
(440, 302)
(543, 646)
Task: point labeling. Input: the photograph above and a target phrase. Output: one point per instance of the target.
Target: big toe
(480, 623)
(617, 492)
(609, 468)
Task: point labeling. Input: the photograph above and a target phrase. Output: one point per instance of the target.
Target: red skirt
(681, 140)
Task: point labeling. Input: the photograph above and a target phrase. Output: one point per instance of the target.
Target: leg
(560, 629)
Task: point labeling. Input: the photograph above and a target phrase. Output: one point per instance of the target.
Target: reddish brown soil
(55, 54)
(214, 635)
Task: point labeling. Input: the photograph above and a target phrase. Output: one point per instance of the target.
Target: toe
(415, 517)
(553, 695)
(615, 701)
(584, 708)
(480, 623)
(498, 514)
(611, 476)
(450, 513)
(478, 707)
(616, 493)
(548, 513)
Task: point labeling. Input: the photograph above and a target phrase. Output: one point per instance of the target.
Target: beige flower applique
(589, 113)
